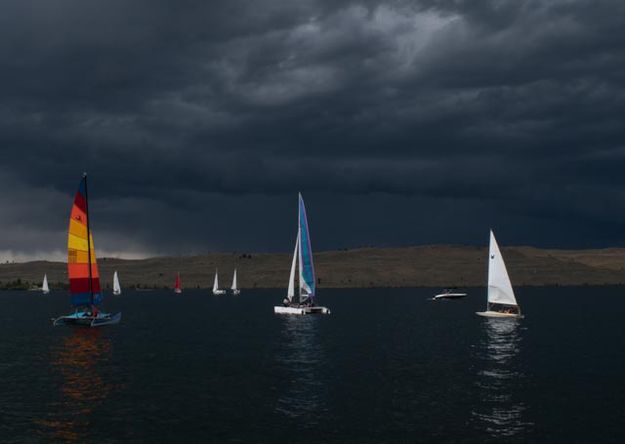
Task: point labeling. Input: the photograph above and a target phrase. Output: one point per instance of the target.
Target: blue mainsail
(306, 267)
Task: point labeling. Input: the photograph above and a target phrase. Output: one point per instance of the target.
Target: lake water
(386, 366)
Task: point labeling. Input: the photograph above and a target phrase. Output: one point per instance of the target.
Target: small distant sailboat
(82, 268)
(216, 290)
(304, 257)
(450, 293)
(235, 289)
(178, 285)
(501, 302)
(44, 287)
(117, 289)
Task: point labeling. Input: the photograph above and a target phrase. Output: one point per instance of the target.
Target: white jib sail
(234, 280)
(44, 286)
(216, 282)
(499, 286)
(291, 291)
(117, 289)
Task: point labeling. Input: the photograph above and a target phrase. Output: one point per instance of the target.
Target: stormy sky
(401, 122)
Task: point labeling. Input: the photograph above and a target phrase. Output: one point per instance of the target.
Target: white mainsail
(234, 281)
(216, 282)
(291, 290)
(44, 287)
(499, 286)
(117, 289)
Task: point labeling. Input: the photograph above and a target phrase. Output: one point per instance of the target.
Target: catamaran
(44, 287)
(117, 289)
(216, 290)
(303, 256)
(235, 289)
(178, 285)
(82, 268)
(501, 302)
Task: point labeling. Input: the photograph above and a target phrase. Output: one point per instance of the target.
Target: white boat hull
(218, 292)
(450, 296)
(235, 292)
(496, 314)
(279, 309)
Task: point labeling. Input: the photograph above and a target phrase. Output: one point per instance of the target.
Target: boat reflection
(499, 380)
(300, 358)
(82, 389)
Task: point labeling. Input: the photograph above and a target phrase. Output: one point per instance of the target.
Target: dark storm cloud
(403, 122)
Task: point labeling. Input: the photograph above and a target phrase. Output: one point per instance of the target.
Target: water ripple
(300, 356)
(498, 412)
(82, 389)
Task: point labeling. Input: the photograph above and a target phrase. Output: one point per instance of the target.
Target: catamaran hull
(496, 314)
(236, 292)
(317, 310)
(80, 320)
(219, 292)
(300, 310)
(449, 296)
(288, 310)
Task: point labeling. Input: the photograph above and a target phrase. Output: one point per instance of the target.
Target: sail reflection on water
(499, 379)
(83, 389)
(301, 359)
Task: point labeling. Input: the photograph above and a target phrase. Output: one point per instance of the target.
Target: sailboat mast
(84, 176)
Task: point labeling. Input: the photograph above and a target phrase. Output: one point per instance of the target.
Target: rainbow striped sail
(82, 268)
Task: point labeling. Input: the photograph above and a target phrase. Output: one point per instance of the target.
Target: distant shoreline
(108, 291)
(430, 266)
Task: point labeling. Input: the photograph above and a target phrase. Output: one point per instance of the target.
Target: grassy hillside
(432, 266)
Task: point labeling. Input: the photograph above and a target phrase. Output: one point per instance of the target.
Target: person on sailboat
(286, 302)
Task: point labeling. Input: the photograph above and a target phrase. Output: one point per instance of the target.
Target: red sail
(178, 286)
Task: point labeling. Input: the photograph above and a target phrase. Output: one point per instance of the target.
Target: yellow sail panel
(92, 247)
(77, 229)
(80, 257)
(76, 243)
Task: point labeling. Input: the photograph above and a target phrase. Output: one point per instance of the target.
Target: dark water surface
(386, 366)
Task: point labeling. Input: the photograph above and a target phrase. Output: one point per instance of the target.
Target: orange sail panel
(84, 288)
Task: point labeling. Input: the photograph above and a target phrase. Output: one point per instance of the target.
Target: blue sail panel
(307, 268)
(81, 299)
